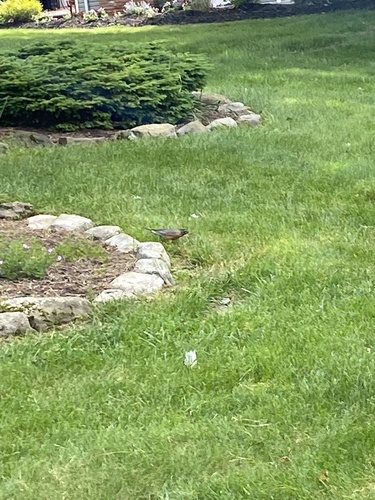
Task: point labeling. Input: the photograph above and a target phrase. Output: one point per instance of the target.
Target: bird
(169, 234)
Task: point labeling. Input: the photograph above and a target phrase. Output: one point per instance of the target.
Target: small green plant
(140, 9)
(41, 18)
(91, 15)
(167, 6)
(25, 260)
(19, 11)
(102, 14)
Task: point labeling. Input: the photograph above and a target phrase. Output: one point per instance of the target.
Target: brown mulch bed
(85, 277)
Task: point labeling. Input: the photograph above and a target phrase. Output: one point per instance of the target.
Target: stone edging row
(231, 115)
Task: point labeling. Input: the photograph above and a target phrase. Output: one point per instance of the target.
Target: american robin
(169, 234)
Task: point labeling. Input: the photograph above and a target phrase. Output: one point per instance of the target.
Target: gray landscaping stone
(32, 138)
(192, 128)
(15, 210)
(13, 323)
(222, 122)
(66, 141)
(45, 312)
(234, 107)
(113, 294)
(42, 221)
(154, 266)
(123, 243)
(4, 148)
(153, 250)
(252, 119)
(210, 98)
(154, 130)
(138, 284)
(103, 232)
(71, 222)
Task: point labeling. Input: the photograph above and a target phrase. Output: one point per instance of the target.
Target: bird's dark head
(184, 231)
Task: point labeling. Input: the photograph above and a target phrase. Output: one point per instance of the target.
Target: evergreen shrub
(69, 85)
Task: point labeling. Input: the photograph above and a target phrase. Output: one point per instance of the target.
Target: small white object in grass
(135, 197)
(225, 301)
(25, 246)
(50, 250)
(58, 258)
(1, 262)
(195, 216)
(348, 144)
(190, 358)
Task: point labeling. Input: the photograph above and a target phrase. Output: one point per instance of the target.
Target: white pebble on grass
(190, 358)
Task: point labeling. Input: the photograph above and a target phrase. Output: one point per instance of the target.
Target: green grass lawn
(109, 411)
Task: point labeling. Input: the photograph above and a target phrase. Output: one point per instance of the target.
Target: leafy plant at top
(68, 86)
(19, 11)
(42, 18)
(141, 8)
(91, 15)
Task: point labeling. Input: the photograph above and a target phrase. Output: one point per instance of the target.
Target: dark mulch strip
(85, 277)
(251, 11)
(79, 22)
(206, 115)
(109, 134)
(254, 11)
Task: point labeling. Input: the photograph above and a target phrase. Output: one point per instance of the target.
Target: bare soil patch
(85, 277)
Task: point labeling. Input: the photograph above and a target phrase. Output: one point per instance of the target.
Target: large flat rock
(42, 221)
(123, 243)
(154, 130)
(137, 284)
(153, 250)
(154, 266)
(103, 233)
(71, 222)
(44, 313)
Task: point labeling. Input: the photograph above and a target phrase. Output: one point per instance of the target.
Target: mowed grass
(287, 231)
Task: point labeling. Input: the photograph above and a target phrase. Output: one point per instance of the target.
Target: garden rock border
(229, 114)
(150, 274)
